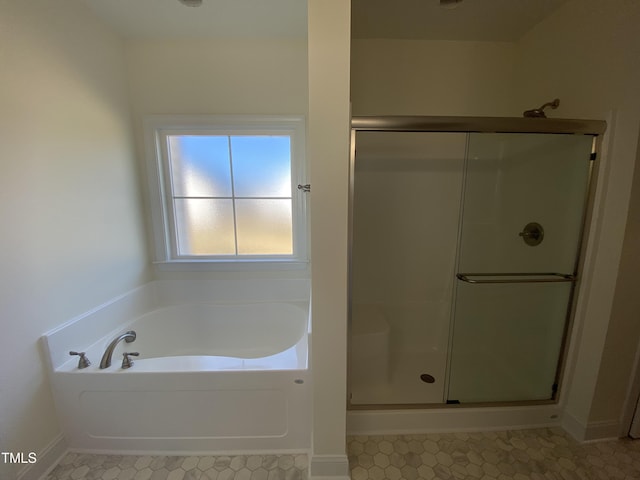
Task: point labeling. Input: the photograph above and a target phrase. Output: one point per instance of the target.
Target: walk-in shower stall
(466, 237)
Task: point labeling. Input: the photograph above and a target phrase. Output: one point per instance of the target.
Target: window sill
(230, 265)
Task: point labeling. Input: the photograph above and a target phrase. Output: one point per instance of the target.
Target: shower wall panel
(515, 179)
(507, 338)
(407, 192)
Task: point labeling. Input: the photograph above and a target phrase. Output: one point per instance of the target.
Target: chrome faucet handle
(532, 234)
(126, 361)
(83, 361)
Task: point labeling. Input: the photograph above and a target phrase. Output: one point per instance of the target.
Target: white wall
(587, 54)
(73, 234)
(426, 77)
(328, 147)
(216, 76)
(624, 321)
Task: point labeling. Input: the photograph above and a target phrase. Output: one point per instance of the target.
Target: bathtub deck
(80, 466)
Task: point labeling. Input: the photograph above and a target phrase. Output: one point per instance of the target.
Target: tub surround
(105, 319)
(185, 412)
(246, 393)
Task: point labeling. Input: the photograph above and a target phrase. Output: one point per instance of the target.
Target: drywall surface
(73, 234)
(218, 76)
(328, 148)
(429, 77)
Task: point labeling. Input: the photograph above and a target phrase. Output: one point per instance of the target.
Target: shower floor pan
(404, 385)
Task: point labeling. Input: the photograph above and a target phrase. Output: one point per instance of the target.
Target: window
(224, 189)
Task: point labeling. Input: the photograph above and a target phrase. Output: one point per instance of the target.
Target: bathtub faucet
(128, 337)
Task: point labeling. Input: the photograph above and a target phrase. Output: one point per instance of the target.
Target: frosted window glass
(204, 226)
(200, 165)
(264, 227)
(261, 166)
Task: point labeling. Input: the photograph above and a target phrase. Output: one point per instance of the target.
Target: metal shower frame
(453, 124)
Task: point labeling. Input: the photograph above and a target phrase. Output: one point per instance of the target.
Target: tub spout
(128, 337)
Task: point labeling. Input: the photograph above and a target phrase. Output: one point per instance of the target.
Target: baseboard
(329, 467)
(590, 431)
(573, 427)
(605, 430)
(46, 460)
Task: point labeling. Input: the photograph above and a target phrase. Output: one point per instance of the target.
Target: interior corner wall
(613, 382)
(586, 54)
(73, 233)
(429, 77)
(328, 147)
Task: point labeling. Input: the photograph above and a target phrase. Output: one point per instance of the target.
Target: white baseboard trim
(605, 430)
(573, 427)
(46, 460)
(590, 431)
(334, 467)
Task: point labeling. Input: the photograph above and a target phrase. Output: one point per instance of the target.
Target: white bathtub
(214, 337)
(209, 378)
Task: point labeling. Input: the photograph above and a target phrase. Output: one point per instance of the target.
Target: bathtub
(209, 378)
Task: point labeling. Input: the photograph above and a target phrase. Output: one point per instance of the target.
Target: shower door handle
(516, 277)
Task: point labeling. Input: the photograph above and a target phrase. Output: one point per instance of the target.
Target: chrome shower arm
(539, 112)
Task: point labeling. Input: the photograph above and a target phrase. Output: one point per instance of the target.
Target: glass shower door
(522, 217)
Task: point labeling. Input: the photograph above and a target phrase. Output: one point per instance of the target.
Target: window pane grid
(233, 193)
(231, 198)
(213, 225)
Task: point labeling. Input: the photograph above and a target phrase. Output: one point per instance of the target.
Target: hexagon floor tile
(541, 454)
(78, 466)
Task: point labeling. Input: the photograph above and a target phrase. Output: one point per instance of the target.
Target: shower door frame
(452, 124)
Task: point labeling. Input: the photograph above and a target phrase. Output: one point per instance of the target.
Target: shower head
(191, 3)
(539, 112)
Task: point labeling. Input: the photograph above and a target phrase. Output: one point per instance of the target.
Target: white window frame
(156, 130)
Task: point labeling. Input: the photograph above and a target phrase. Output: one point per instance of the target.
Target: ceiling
(482, 20)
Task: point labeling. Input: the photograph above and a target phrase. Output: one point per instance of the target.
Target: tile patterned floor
(76, 466)
(541, 454)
